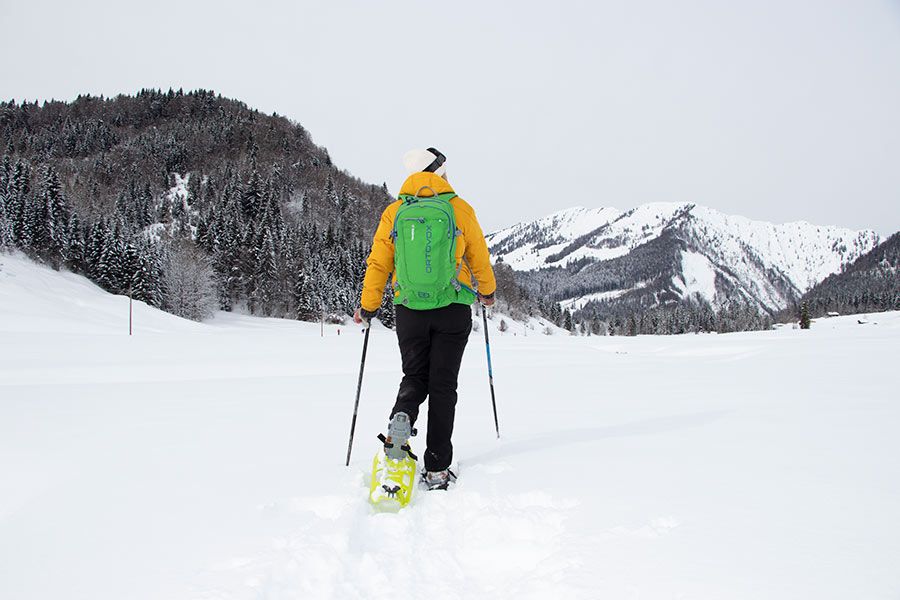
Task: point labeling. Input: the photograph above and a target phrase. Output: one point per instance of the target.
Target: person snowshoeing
(433, 244)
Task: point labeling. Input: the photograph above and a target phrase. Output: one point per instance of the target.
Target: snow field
(205, 461)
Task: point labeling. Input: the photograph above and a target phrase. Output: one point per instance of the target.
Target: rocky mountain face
(659, 254)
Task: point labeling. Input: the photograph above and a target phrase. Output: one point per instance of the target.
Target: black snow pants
(431, 346)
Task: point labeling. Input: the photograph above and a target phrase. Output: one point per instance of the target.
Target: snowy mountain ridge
(768, 264)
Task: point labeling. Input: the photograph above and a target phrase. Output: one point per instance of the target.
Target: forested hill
(191, 200)
(870, 284)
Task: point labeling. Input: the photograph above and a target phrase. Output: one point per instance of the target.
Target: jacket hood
(415, 182)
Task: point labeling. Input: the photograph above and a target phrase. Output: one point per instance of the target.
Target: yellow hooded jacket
(471, 244)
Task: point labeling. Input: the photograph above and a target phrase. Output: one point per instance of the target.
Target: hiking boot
(438, 480)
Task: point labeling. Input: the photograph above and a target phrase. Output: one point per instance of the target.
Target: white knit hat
(425, 160)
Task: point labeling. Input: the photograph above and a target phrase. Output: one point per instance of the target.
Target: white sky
(778, 110)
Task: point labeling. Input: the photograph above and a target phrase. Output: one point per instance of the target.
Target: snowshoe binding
(394, 467)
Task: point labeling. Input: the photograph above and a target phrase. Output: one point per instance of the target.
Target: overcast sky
(777, 110)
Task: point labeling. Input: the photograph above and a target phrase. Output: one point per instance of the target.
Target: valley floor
(207, 461)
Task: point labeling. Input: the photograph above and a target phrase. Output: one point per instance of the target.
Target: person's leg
(450, 326)
(414, 337)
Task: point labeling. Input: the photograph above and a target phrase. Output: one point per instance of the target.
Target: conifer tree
(93, 249)
(386, 313)
(330, 192)
(74, 253)
(264, 276)
(6, 233)
(123, 207)
(305, 299)
(18, 195)
(58, 216)
(145, 279)
(804, 316)
(143, 209)
(109, 267)
(130, 265)
(632, 325)
(5, 173)
(251, 195)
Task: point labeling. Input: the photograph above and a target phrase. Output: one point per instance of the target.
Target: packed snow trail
(206, 461)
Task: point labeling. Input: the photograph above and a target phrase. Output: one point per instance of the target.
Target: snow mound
(35, 298)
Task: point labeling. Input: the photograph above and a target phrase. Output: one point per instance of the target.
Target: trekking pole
(487, 345)
(362, 365)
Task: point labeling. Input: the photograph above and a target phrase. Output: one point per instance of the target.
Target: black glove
(486, 299)
(366, 315)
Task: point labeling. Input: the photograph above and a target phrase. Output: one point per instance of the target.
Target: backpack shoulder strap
(445, 196)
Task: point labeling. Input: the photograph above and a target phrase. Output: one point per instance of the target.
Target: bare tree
(190, 290)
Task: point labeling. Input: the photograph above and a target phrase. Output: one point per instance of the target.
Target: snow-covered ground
(206, 461)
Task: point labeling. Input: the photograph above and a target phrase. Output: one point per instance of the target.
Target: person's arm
(478, 256)
(380, 264)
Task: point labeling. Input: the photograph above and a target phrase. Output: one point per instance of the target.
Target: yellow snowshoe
(394, 468)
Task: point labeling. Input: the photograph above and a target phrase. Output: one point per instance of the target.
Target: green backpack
(424, 237)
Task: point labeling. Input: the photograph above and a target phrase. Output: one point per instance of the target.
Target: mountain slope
(870, 284)
(666, 251)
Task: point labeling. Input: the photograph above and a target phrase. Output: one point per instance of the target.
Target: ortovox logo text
(428, 235)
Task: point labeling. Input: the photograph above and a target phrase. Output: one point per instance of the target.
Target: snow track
(464, 543)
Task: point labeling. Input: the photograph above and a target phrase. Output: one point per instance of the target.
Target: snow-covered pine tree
(330, 192)
(252, 192)
(109, 266)
(130, 264)
(5, 170)
(305, 298)
(264, 276)
(93, 249)
(143, 209)
(805, 320)
(632, 325)
(38, 218)
(556, 313)
(6, 230)
(57, 218)
(18, 193)
(146, 279)
(386, 313)
(123, 207)
(164, 204)
(74, 252)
